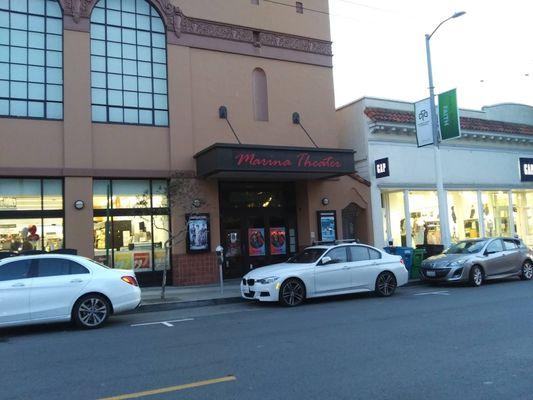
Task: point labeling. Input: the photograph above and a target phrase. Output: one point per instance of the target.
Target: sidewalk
(189, 296)
(177, 297)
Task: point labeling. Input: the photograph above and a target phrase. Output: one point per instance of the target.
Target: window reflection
(28, 31)
(128, 64)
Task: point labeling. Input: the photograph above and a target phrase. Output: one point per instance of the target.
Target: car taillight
(130, 279)
(401, 260)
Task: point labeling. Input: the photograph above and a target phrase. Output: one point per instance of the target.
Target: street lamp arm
(456, 15)
(438, 26)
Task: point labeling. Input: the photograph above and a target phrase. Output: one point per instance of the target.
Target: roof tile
(471, 124)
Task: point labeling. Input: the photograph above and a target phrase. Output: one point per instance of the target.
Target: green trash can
(418, 257)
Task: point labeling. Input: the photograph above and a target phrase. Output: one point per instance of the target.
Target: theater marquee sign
(229, 160)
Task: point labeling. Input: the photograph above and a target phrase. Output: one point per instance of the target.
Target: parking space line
(165, 323)
(436, 293)
(170, 389)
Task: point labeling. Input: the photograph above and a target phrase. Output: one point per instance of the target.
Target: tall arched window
(31, 59)
(260, 93)
(128, 63)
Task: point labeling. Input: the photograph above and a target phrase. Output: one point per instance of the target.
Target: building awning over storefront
(240, 161)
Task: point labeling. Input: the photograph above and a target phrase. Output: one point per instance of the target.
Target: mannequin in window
(454, 224)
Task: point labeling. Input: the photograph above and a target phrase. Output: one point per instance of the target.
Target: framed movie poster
(256, 241)
(327, 226)
(278, 241)
(198, 235)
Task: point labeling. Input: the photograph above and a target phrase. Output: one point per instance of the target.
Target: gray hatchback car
(474, 261)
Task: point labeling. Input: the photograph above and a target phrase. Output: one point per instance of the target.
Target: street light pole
(441, 194)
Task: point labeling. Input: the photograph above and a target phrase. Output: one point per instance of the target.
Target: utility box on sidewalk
(418, 257)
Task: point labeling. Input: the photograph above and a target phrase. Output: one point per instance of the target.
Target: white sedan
(53, 288)
(326, 270)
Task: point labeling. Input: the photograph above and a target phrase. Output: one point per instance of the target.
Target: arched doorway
(352, 217)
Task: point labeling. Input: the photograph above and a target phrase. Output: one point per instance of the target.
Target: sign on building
(526, 169)
(424, 127)
(450, 127)
(382, 168)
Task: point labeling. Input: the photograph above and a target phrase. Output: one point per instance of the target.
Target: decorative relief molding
(178, 23)
(77, 8)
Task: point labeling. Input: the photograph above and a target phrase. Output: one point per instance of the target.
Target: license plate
(431, 273)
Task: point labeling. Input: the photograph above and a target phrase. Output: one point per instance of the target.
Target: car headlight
(458, 263)
(265, 281)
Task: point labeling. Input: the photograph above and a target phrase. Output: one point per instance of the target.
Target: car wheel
(91, 311)
(386, 284)
(527, 271)
(476, 276)
(292, 293)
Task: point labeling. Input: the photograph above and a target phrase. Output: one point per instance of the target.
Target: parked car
(477, 260)
(53, 288)
(326, 270)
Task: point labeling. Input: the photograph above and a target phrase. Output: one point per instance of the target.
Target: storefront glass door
(258, 225)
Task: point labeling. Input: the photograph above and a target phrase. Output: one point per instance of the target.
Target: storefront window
(20, 194)
(425, 224)
(463, 215)
(137, 231)
(523, 215)
(396, 227)
(31, 214)
(496, 213)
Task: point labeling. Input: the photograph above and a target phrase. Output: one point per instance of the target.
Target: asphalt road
(426, 342)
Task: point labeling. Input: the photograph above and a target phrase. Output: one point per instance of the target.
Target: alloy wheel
(92, 312)
(386, 284)
(527, 271)
(292, 293)
(477, 276)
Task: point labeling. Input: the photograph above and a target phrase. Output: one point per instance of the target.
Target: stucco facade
(213, 47)
(487, 191)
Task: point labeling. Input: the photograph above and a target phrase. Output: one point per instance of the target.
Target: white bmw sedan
(53, 288)
(326, 270)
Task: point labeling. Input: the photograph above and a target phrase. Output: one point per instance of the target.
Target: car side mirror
(325, 260)
(488, 253)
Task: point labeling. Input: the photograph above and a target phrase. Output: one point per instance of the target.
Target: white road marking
(438, 293)
(165, 323)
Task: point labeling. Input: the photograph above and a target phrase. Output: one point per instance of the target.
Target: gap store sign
(526, 169)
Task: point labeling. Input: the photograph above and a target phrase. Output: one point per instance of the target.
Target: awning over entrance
(242, 161)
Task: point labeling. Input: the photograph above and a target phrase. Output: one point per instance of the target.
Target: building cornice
(177, 23)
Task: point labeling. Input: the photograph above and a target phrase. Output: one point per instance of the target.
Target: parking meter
(220, 258)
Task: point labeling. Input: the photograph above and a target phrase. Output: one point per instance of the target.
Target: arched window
(260, 93)
(128, 63)
(31, 59)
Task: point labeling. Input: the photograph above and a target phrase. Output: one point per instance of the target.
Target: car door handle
(76, 281)
(18, 285)
(346, 267)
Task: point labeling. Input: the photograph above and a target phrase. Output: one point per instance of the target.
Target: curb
(414, 282)
(177, 305)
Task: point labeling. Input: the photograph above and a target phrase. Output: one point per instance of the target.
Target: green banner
(450, 127)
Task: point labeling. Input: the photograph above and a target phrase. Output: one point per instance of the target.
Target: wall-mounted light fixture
(325, 201)
(79, 205)
(196, 203)
(223, 112)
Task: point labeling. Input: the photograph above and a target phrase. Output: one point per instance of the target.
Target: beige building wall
(204, 73)
(265, 15)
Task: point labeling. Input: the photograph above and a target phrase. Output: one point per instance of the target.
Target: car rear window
(57, 267)
(510, 244)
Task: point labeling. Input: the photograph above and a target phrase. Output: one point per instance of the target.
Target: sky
(379, 50)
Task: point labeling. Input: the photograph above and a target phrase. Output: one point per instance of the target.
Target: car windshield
(307, 256)
(466, 247)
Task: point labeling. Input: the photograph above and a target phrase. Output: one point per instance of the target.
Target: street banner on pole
(450, 127)
(424, 126)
